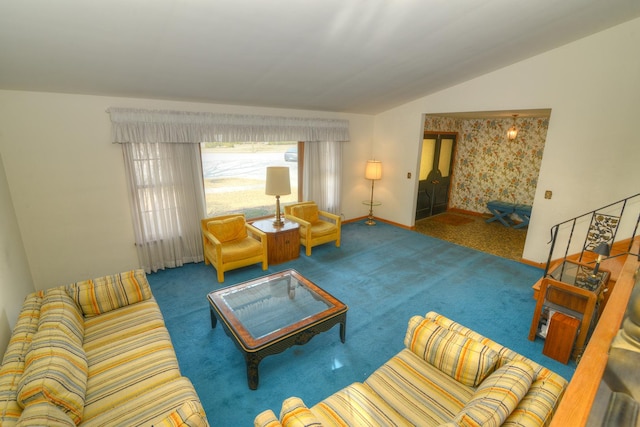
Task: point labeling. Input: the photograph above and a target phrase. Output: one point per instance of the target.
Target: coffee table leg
(343, 329)
(214, 321)
(252, 370)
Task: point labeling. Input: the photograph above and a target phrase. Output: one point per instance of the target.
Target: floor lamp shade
(373, 169)
(278, 184)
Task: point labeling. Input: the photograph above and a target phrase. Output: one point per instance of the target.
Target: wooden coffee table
(267, 315)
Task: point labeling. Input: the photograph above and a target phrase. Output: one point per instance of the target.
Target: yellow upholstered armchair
(230, 242)
(316, 226)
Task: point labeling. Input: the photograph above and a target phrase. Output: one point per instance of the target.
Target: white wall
(67, 179)
(15, 278)
(592, 153)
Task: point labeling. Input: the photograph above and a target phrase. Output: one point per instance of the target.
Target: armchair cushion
(319, 228)
(228, 229)
(497, 396)
(240, 249)
(307, 212)
(460, 357)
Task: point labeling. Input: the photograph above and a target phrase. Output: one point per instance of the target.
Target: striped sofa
(95, 353)
(448, 375)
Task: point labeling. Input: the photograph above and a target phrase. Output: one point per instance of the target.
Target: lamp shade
(602, 249)
(278, 182)
(373, 169)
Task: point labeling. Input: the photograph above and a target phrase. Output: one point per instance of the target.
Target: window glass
(235, 176)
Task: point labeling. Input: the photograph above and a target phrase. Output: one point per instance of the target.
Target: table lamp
(278, 184)
(602, 250)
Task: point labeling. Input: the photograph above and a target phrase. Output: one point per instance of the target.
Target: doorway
(434, 180)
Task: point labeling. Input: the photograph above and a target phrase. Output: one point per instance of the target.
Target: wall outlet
(408, 175)
(548, 194)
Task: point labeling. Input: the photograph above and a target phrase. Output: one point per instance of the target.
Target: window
(234, 176)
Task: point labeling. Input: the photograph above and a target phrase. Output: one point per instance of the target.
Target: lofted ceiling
(359, 56)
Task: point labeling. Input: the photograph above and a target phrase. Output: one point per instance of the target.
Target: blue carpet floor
(385, 274)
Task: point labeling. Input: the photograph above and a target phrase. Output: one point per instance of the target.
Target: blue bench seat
(501, 211)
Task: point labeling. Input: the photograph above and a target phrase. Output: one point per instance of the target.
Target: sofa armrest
(266, 419)
(294, 413)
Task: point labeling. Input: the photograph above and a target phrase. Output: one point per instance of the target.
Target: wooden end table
(283, 242)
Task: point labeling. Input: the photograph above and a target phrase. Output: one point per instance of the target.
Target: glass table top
(270, 307)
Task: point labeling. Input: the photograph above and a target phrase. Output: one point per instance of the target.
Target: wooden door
(434, 180)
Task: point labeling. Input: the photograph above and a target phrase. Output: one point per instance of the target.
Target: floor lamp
(373, 172)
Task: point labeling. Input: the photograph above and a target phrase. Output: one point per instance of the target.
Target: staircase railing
(604, 225)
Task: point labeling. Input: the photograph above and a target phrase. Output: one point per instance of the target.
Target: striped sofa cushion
(464, 359)
(357, 405)
(59, 311)
(120, 324)
(44, 414)
(497, 396)
(13, 360)
(55, 371)
(127, 368)
(151, 407)
(107, 293)
(418, 391)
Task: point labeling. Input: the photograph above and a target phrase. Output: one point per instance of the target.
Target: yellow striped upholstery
(266, 419)
(121, 324)
(189, 414)
(103, 294)
(462, 358)
(60, 312)
(95, 353)
(44, 414)
(497, 396)
(357, 405)
(55, 371)
(295, 413)
(152, 407)
(418, 386)
(13, 361)
(423, 394)
(131, 366)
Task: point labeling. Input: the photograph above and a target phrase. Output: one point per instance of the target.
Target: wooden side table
(570, 289)
(283, 243)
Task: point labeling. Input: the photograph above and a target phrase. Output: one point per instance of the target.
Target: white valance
(135, 125)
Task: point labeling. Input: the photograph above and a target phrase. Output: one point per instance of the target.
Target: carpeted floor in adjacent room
(474, 232)
(385, 274)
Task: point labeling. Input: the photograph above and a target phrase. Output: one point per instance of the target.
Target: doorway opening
(434, 176)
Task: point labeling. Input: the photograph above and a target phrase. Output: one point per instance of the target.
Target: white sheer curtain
(162, 159)
(322, 175)
(167, 202)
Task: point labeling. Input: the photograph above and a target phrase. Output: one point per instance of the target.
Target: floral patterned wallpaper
(487, 166)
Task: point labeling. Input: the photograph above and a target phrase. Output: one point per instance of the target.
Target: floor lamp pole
(370, 221)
